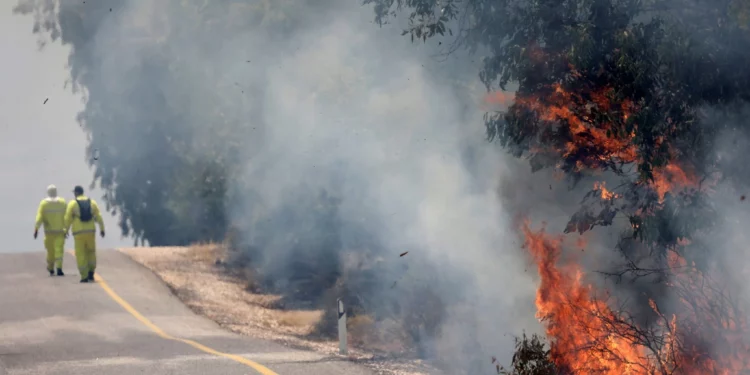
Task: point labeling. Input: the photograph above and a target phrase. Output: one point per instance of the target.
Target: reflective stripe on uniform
(84, 231)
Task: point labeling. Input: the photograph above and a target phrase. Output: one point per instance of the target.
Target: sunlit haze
(41, 144)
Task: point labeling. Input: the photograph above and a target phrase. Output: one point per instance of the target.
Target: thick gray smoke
(333, 137)
(361, 114)
(331, 146)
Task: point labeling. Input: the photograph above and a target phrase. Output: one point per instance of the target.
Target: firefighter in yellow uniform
(51, 214)
(82, 215)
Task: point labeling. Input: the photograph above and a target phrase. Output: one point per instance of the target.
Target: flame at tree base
(587, 337)
(578, 325)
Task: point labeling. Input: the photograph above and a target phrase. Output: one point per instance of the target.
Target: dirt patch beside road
(195, 276)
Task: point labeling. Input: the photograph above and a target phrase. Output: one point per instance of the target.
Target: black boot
(91, 276)
(60, 272)
(84, 280)
(51, 272)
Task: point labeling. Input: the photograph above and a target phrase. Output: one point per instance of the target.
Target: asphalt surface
(55, 325)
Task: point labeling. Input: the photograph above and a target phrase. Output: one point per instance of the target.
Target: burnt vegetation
(640, 92)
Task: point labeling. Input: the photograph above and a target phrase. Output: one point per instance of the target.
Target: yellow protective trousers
(55, 245)
(85, 244)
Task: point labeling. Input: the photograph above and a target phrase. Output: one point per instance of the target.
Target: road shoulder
(194, 278)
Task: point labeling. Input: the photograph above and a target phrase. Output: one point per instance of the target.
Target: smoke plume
(315, 135)
(348, 160)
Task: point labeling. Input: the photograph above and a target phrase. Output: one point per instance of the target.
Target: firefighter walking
(82, 214)
(51, 214)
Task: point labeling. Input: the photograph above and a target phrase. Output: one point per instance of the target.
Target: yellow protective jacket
(51, 214)
(73, 213)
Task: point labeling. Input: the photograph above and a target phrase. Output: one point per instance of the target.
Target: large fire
(597, 133)
(593, 139)
(579, 325)
(703, 333)
(588, 337)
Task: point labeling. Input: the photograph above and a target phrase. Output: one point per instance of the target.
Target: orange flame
(587, 337)
(600, 140)
(597, 134)
(502, 98)
(581, 340)
(672, 178)
(605, 193)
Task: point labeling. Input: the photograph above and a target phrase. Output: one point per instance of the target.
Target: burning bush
(705, 332)
(620, 89)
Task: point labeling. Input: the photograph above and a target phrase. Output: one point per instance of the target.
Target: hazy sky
(40, 144)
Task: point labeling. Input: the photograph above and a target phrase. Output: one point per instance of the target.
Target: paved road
(54, 325)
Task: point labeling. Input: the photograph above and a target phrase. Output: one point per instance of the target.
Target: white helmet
(52, 191)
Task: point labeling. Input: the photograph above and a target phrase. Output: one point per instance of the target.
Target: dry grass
(196, 275)
(299, 318)
(361, 328)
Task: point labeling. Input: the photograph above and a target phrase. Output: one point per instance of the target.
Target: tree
(163, 152)
(635, 89)
(172, 134)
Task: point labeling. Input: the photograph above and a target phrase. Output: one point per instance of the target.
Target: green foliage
(163, 152)
(627, 89)
(587, 46)
(171, 132)
(605, 85)
(531, 357)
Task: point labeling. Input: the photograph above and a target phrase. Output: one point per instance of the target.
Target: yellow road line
(130, 309)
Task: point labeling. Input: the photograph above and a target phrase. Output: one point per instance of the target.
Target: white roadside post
(342, 327)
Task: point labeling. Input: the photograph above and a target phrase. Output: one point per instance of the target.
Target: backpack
(84, 207)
